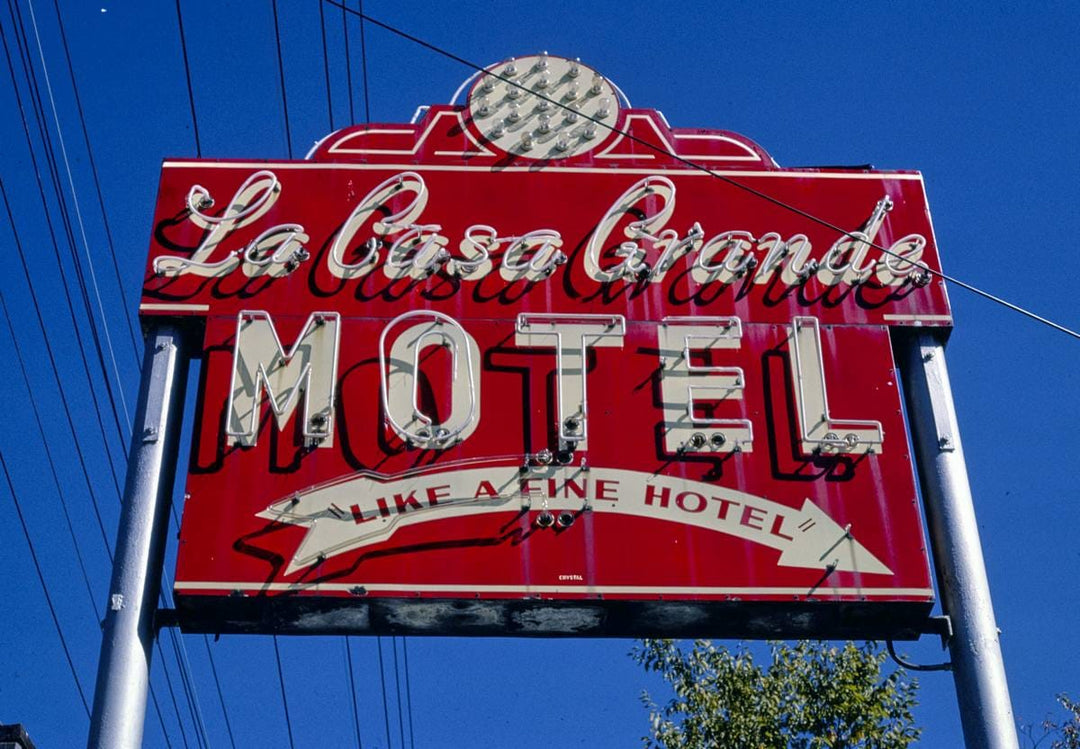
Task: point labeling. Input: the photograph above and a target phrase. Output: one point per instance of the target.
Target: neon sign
(503, 370)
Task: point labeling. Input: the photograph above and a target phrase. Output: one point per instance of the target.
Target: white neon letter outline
(276, 371)
(365, 209)
(646, 227)
(430, 435)
(681, 426)
(255, 196)
(582, 331)
(818, 430)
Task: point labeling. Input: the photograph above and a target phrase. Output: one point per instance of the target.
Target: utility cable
(408, 690)
(326, 65)
(220, 694)
(53, 173)
(363, 63)
(284, 699)
(397, 685)
(352, 692)
(281, 75)
(723, 178)
(55, 369)
(49, 457)
(187, 75)
(44, 587)
(348, 63)
(31, 84)
(382, 681)
(97, 186)
(172, 692)
(78, 212)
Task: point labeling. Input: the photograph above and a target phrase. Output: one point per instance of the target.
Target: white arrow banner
(368, 508)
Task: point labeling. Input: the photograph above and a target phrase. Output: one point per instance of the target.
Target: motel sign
(506, 370)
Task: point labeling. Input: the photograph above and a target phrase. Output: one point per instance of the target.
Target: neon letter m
(307, 371)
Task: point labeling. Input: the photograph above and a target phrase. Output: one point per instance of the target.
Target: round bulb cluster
(543, 107)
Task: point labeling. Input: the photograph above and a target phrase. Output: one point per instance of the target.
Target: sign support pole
(128, 636)
(978, 669)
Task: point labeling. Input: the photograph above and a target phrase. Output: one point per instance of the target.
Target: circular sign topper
(543, 107)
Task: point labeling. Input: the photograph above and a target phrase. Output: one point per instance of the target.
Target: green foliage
(810, 696)
(1068, 733)
(1062, 735)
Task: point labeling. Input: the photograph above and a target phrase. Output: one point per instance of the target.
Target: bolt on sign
(541, 363)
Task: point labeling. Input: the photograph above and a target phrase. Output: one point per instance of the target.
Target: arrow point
(825, 543)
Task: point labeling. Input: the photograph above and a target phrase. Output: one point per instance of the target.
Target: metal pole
(978, 670)
(128, 637)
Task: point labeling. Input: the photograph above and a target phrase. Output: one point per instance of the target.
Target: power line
(78, 212)
(187, 75)
(326, 65)
(363, 63)
(408, 690)
(221, 695)
(38, 111)
(49, 455)
(352, 692)
(284, 699)
(382, 681)
(397, 686)
(281, 75)
(723, 178)
(348, 63)
(54, 175)
(44, 587)
(97, 185)
(172, 692)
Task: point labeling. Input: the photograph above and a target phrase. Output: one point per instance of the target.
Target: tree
(1062, 735)
(811, 695)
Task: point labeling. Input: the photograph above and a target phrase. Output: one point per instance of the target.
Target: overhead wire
(97, 183)
(408, 690)
(363, 63)
(723, 178)
(97, 615)
(326, 65)
(284, 698)
(45, 442)
(38, 110)
(397, 689)
(220, 693)
(348, 63)
(382, 682)
(40, 318)
(281, 75)
(352, 692)
(44, 586)
(78, 211)
(187, 76)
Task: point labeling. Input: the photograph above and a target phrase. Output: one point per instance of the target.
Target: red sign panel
(451, 386)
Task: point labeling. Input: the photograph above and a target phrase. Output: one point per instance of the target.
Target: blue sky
(981, 98)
